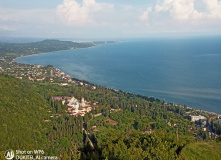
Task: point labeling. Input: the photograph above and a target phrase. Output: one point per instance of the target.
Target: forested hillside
(129, 126)
(22, 115)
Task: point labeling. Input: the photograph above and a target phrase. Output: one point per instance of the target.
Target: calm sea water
(181, 71)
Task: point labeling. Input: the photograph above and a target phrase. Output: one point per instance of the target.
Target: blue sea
(185, 71)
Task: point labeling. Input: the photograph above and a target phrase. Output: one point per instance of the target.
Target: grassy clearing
(202, 150)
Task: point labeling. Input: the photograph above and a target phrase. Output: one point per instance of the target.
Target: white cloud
(24, 22)
(180, 9)
(74, 13)
(181, 16)
(145, 14)
(93, 18)
(186, 9)
(214, 8)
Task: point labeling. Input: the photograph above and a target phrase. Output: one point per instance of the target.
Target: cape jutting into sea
(182, 71)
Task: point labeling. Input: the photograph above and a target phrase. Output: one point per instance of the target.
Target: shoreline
(46, 53)
(167, 103)
(95, 45)
(136, 94)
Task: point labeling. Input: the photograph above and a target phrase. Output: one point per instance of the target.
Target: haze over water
(181, 71)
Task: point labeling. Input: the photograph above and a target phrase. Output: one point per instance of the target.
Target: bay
(182, 71)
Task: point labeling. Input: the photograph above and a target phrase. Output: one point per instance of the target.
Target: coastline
(47, 53)
(203, 111)
(95, 45)
(37, 54)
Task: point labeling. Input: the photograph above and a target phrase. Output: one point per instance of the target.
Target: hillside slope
(201, 150)
(22, 114)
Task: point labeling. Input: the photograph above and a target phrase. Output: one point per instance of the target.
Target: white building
(197, 118)
(64, 84)
(82, 102)
(93, 87)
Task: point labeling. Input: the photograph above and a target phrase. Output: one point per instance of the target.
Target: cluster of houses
(84, 84)
(40, 74)
(78, 83)
(75, 108)
(33, 72)
(201, 120)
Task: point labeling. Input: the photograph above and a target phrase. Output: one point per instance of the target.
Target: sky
(109, 18)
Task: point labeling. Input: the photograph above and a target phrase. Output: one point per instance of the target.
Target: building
(148, 131)
(73, 104)
(96, 115)
(197, 118)
(40, 79)
(93, 87)
(82, 102)
(75, 108)
(64, 84)
(79, 114)
(31, 79)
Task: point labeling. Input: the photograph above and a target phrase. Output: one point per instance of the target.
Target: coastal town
(38, 73)
(110, 80)
(50, 74)
(80, 107)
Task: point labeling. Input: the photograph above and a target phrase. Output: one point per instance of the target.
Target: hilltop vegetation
(201, 150)
(143, 128)
(22, 114)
